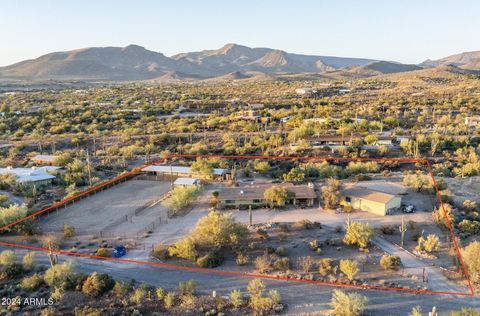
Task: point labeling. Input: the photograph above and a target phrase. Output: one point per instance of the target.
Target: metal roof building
(36, 175)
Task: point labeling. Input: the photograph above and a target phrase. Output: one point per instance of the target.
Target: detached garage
(375, 202)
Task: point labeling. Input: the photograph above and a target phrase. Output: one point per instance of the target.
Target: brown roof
(367, 194)
(255, 192)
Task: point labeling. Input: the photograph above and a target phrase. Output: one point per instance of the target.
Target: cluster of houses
(381, 199)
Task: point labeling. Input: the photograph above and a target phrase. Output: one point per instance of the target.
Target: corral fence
(87, 193)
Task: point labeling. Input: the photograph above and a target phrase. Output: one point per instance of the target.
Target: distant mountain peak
(233, 61)
(134, 47)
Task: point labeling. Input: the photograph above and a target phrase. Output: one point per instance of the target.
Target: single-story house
(184, 171)
(472, 121)
(376, 202)
(187, 182)
(43, 159)
(34, 175)
(254, 195)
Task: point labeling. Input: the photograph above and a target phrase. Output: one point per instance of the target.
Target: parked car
(409, 208)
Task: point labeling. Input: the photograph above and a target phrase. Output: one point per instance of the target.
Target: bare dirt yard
(124, 211)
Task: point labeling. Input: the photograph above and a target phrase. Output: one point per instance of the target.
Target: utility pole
(250, 216)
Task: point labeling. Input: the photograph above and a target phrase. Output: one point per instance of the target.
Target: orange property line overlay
(222, 272)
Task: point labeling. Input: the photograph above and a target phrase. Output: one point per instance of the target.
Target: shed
(187, 182)
(376, 202)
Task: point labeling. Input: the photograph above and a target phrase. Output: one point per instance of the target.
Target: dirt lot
(109, 212)
(464, 189)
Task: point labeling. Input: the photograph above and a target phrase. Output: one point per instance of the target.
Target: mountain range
(230, 62)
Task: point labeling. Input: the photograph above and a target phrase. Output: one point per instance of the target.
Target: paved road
(302, 299)
(436, 280)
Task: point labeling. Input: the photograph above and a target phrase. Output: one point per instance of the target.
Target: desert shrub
(242, 259)
(444, 214)
(188, 302)
(169, 300)
(416, 311)
(388, 229)
(160, 251)
(469, 227)
(470, 255)
(103, 252)
(304, 224)
(68, 231)
(236, 298)
(416, 235)
(357, 233)
(57, 293)
(258, 302)
(284, 228)
(51, 242)
(184, 248)
(429, 244)
(139, 294)
(28, 260)
(188, 287)
(348, 304)
(326, 266)
(7, 257)
(389, 262)
(10, 214)
(306, 263)
(160, 293)
(313, 244)
(11, 271)
(212, 259)
(31, 283)
(282, 264)
(280, 251)
(121, 289)
(262, 263)
(262, 233)
(349, 268)
(466, 311)
(88, 311)
(274, 295)
(97, 284)
(58, 274)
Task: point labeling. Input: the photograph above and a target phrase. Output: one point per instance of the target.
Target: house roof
(49, 158)
(186, 181)
(30, 174)
(181, 169)
(256, 192)
(367, 194)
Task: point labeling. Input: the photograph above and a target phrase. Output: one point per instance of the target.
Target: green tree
(357, 233)
(277, 195)
(470, 255)
(202, 166)
(331, 193)
(218, 229)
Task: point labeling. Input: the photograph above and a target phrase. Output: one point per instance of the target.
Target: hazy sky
(405, 31)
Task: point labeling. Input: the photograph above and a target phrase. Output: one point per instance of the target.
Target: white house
(35, 175)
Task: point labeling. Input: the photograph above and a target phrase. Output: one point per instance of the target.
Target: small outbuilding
(44, 159)
(187, 182)
(376, 202)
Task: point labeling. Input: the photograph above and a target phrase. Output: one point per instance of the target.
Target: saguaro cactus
(402, 228)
